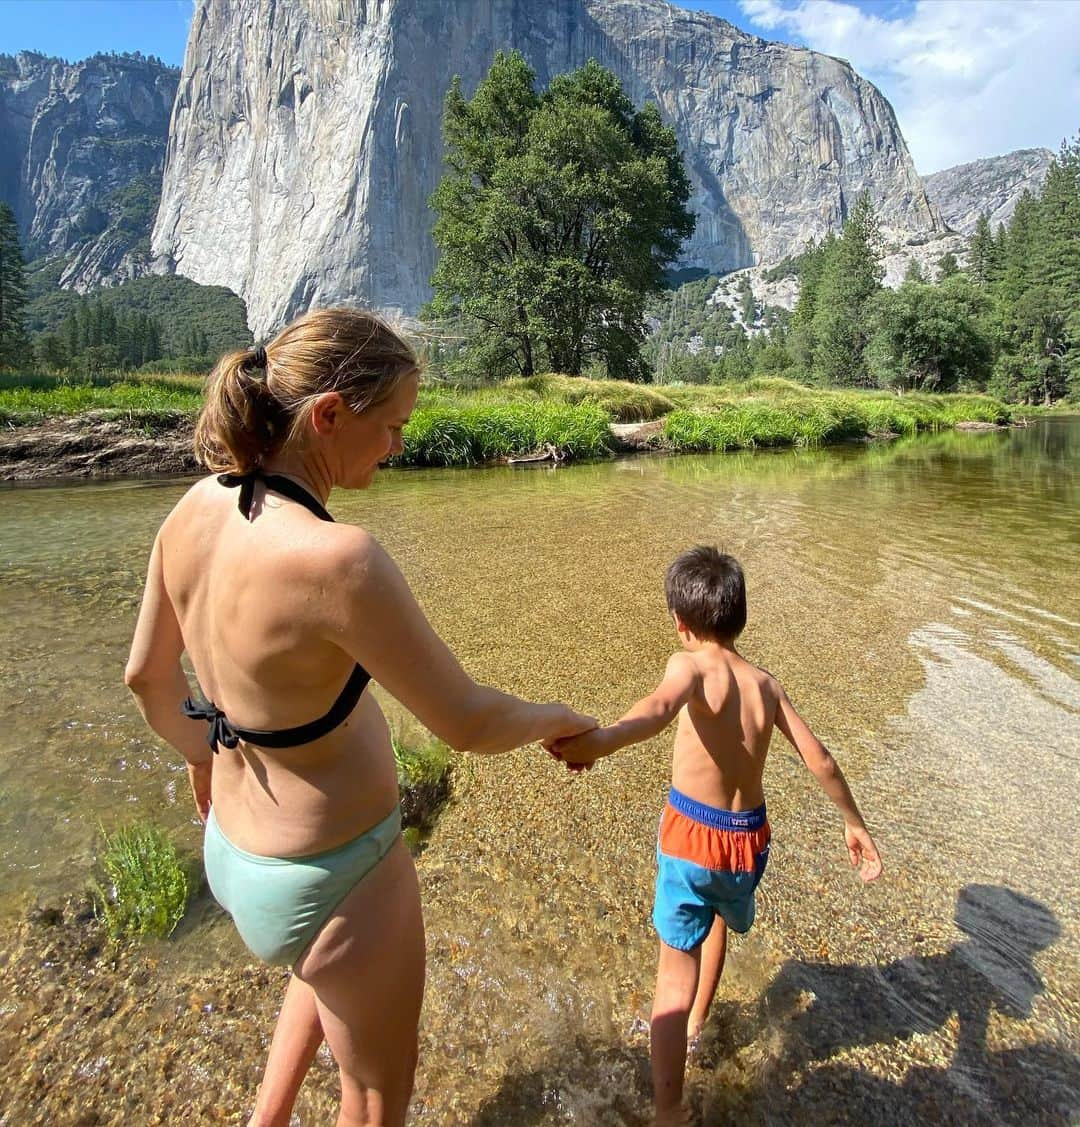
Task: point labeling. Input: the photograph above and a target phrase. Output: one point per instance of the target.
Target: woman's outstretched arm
(383, 627)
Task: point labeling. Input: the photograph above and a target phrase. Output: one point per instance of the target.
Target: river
(919, 601)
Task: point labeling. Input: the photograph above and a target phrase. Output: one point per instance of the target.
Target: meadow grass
(458, 426)
(26, 400)
(144, 885)
(780, 413)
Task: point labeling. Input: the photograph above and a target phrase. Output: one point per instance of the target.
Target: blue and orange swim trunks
(709, 862)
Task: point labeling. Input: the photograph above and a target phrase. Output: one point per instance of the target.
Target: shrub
(144, 889)
(423, 781)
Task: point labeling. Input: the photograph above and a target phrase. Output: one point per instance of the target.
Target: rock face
(82, 152)
(992, 185)
(306, 137)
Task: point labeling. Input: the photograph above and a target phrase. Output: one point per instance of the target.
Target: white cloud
(967, 78)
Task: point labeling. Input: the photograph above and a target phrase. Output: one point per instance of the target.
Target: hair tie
(258, 359)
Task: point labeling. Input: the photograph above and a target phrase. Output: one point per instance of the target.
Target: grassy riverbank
(564, 417)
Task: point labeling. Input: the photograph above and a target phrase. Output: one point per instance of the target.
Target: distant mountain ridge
(83, 149)
(992, 184)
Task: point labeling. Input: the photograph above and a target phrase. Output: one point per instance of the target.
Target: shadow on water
(822, 1010)
(813, 1013)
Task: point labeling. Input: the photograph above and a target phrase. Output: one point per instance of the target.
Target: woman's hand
(199, 776)
(566, 723)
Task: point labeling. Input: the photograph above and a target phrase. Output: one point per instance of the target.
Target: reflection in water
(919, 602)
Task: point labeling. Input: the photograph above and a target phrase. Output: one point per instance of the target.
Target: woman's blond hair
(256, 398)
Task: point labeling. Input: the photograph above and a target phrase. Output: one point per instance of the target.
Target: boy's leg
(676, 986)
(713, 953)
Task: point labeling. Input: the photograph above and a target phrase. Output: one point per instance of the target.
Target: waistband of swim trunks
(715, 817)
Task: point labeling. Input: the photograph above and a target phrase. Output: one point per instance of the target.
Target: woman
(285, 616)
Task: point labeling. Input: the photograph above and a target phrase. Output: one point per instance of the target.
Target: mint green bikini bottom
(279, 903)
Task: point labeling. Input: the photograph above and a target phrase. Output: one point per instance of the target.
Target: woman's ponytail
(240, 423)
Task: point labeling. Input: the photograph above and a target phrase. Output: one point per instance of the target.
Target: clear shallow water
(920, 603)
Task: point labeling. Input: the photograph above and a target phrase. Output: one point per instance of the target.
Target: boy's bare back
(724, 729)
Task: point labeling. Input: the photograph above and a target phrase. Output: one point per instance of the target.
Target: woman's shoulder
(193, 500)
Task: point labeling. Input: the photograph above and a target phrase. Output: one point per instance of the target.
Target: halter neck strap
(283, 485)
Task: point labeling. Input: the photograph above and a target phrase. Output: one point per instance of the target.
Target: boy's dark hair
(706, 589)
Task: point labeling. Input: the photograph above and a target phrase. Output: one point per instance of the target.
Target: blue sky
(967, 78)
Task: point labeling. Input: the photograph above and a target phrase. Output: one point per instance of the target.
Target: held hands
(862, 851)
(566, 724)
(579, 752)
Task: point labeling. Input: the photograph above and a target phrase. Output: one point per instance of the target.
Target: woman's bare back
(252, 598)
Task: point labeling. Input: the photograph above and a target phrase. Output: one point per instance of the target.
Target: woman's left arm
(156, 678)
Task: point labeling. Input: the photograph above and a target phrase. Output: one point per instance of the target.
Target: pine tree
(1055, 257)
(982, 252)
(947, 266)
(14, 344)
(812, 264)
(851, 276)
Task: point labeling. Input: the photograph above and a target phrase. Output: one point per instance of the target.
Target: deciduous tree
(557, 216)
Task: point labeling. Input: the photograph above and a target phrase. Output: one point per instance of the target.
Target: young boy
(714, 836)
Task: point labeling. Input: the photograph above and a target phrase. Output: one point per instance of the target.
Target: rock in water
(306, 137)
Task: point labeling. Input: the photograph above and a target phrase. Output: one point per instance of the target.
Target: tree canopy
(557, 216)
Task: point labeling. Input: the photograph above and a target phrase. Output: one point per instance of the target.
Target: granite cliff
(305, 138)
(993, 185)
(83, 147)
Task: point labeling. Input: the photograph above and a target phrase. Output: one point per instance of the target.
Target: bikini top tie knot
(275, 482)
(219, 730)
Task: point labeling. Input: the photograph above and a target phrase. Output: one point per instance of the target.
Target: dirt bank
(98, 444)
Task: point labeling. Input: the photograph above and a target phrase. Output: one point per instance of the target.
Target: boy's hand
(862, 851)
(580, 752)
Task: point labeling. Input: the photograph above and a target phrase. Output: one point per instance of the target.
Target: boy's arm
(816, 756)
(651, 715)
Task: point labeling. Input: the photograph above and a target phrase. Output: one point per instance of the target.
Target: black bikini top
(221, 728)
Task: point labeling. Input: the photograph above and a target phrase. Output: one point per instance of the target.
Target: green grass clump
(425, 763)
(29, 399)
(423, 772)
(144, 888)
(790, 415)
(447, 435)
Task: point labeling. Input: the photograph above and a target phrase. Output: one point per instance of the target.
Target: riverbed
(919, 601)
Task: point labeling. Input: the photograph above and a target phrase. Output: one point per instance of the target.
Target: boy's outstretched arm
(860, 845)
(651, 715)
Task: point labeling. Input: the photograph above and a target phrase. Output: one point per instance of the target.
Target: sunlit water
(920, 603)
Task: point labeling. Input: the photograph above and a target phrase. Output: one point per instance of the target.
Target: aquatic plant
(144, 887)
(423, 780)
(482, 432)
